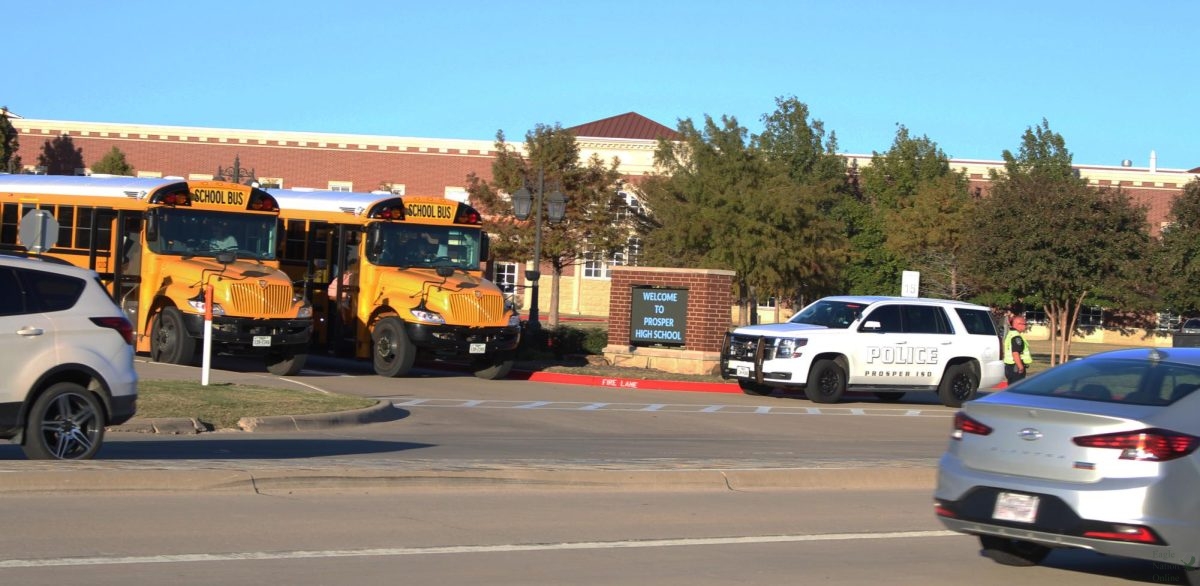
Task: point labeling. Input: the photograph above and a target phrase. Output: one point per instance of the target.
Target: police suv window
(888, 317)
(925, 319)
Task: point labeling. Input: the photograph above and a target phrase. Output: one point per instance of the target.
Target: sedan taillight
(1154, 445)
(120, 324)
(964, 424)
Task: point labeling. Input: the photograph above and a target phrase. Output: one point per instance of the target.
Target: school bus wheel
(169, 339)
(393, 352)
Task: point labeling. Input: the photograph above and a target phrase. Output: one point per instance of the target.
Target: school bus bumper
(457, 340)
(251, 335)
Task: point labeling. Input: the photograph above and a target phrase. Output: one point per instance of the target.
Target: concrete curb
(381, 411)
(374, 479)
(633, 384)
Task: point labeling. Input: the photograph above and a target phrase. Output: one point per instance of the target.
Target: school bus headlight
(427, 316)
(514, 320)
(305, 312)
(198, 305)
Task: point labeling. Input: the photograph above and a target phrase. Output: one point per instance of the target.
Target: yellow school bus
(158, 244)
(393, 279)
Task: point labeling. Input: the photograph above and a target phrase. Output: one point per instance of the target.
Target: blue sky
(1114, 78)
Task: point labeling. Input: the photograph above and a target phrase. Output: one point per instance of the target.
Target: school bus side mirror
(152, 229)
(485, 245)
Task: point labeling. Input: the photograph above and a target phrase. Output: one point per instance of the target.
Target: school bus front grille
(252, 299)
(471, 310)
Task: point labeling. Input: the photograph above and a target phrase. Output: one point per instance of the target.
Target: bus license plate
(1010, 506)
(478, 348)
(262, 341)
(743, 372)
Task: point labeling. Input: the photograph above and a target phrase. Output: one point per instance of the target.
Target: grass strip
(222, 405)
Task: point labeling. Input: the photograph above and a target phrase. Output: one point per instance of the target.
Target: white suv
(884, 345)
(66, 352)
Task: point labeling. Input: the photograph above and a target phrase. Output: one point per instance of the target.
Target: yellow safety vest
(1026, 355)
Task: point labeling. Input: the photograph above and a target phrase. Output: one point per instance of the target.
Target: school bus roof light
(263, 203)
(180, 198)
(467, 215)
(389, 213)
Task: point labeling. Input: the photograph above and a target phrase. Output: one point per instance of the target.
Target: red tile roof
(629, 125)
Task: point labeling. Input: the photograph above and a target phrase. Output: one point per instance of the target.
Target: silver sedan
(1098, 453)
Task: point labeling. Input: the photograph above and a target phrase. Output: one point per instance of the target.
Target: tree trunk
(556, 277)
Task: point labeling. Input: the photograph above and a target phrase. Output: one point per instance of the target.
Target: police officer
(1017, 356)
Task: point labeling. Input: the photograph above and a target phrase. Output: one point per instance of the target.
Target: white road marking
(463, 549)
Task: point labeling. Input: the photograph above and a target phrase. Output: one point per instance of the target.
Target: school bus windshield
(187, 232)
(409, 245)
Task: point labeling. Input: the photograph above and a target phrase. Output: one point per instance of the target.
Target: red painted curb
(633, 384)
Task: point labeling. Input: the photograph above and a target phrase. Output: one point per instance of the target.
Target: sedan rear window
(1129, 381)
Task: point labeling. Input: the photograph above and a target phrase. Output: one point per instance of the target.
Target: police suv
(884, 345)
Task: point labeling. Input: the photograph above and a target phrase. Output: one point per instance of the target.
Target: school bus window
(8, 223)
(187, 232)
(66, 224)
(294, 240)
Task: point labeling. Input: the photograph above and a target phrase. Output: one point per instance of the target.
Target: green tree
(60, 156)
(707, 199)
(1177, 256)
(590, 225)
(758, 206)
(926, 208)
(807, 249)
(1045, 237)
(113, 163)
(10, 161)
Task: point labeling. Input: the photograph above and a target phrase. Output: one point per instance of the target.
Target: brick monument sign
(668, 319)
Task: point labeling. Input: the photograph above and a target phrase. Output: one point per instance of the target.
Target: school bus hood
(246, 289)
(461, 299)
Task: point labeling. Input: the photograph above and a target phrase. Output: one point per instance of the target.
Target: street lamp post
(522, 203)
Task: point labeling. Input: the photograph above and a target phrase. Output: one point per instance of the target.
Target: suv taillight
(120, 324)
(964, 424)
(1153, 445)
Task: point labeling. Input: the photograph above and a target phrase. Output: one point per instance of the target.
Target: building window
(632, 208)
(1035, 317)
(200, 177)
(1168, 321)
(150, 174)
(633, 252)
(341, 186)
(270, 182)
(1091, 317)
(594, 265)
(506, 276)
(457, 194)
(394, 188)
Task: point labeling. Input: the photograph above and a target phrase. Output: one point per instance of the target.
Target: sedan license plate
(743, 372)
(261, 341)
(478, 349)
(1011, 506)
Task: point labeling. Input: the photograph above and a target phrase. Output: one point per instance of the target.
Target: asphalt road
(583, 537)
(514, 482)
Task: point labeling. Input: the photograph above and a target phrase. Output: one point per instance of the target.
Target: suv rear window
(1135, 382)
(977, 321)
